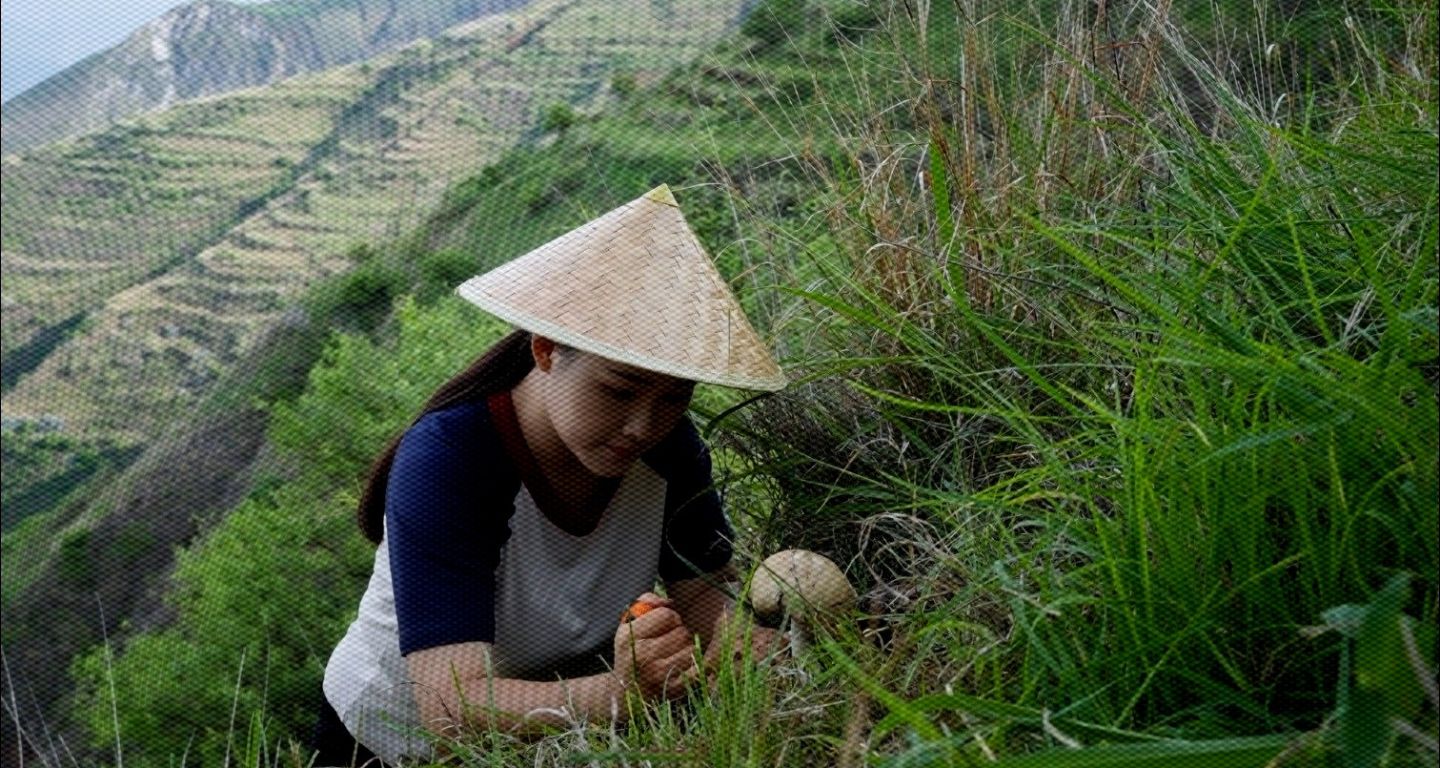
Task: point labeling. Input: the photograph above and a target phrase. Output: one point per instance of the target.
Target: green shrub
(362, 393)
(557, 118)
(773, 21)
(442, 271)
(132, 543)
(624, 84)
(77, 565)
(851, 23)
(255, 623)
(265, 596)
(360, 298)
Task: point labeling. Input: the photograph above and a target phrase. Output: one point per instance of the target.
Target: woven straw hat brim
(635, 286)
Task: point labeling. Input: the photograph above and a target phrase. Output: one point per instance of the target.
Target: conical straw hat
(635, 286)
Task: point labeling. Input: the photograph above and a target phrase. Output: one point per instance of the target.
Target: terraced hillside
(142, 262)
(210, 47)
(86, 220)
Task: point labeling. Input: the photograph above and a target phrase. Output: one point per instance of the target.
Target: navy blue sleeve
(447, 510)
(697, 534)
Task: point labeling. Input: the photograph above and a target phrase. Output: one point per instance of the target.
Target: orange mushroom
(636, 610)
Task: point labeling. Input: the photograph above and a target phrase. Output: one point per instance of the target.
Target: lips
(621, 454)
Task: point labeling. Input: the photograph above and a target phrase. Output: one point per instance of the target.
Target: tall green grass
(1117, 385)
(1134, 358)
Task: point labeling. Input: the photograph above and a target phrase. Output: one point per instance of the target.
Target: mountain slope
(210, 47)
(180, 238)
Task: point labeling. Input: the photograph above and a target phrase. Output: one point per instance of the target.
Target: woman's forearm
(455, 693)
(528, 707)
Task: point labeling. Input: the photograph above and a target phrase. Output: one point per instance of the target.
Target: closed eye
(619, 394)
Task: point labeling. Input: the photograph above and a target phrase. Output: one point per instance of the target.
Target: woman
(543, 490)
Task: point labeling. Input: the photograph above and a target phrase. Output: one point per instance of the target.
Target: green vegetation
(557, 118)
(257, 619)
(773, 21)
(1147, 397)
(1116, 392)
(41, 468)
(45, 479)
(203, 229)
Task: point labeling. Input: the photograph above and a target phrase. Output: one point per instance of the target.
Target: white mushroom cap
(801, 583)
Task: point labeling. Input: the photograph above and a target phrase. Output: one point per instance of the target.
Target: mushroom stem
(800, 636)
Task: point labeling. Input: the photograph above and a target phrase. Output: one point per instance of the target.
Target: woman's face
(608, 413)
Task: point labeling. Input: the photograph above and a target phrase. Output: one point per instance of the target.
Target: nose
(642, 422)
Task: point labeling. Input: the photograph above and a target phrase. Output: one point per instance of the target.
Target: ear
(543, 350)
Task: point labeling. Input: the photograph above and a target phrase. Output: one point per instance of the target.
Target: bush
(362, 393)
(442, 271)
(852, 23)
(360, 298)
(774, 20)
(77, 565)
(255, 621)
(261, 601)
(557, 118)
(624, 84)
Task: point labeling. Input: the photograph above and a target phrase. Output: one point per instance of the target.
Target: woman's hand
(653, 652)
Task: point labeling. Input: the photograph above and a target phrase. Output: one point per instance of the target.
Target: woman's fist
(653, 650)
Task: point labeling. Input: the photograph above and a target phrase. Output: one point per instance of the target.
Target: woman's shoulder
(445, 449)
(464, 426)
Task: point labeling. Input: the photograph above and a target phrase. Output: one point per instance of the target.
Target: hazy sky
(42, 37)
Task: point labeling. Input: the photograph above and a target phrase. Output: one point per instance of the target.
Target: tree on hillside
(557, 118)
(624, 84)
(773, 20)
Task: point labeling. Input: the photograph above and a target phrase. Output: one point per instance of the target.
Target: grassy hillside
(1116, 396)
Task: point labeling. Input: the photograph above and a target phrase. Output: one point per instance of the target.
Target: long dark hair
(500, 368)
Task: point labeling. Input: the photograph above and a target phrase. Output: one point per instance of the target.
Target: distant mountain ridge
(211, 47)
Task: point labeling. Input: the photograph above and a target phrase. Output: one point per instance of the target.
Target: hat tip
(661, 194)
